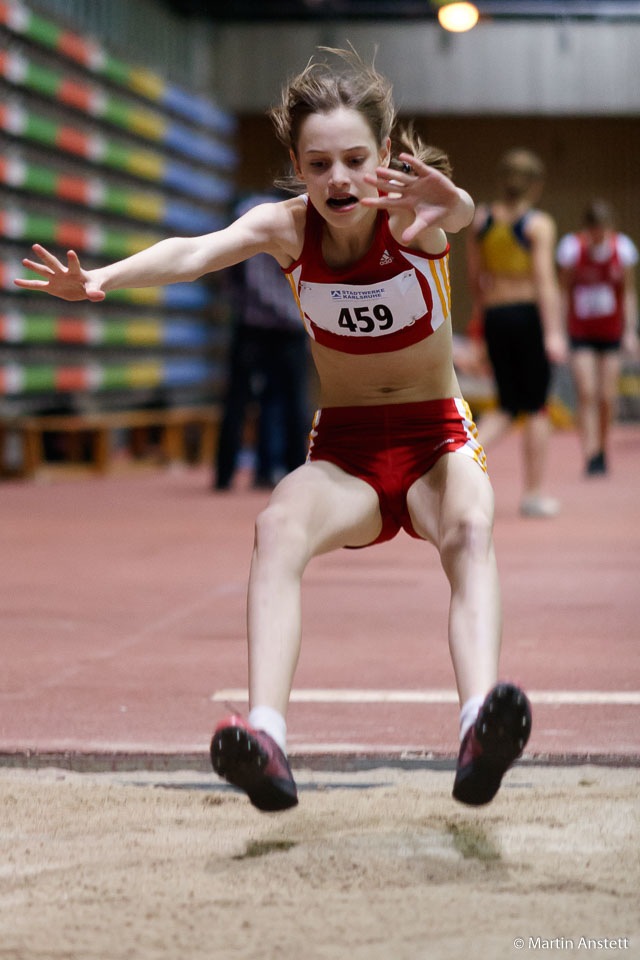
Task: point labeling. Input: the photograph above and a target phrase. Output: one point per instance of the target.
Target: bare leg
(535, 440)
(609, 371)
(452, 506)
(315, 509)
(492, 426)
(586, 381)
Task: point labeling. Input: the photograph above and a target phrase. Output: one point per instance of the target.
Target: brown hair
(320, 88)
(410, 142)
(598, 214)
(519, 170)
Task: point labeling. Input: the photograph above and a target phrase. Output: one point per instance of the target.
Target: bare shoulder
(282, 227)
(541, 227)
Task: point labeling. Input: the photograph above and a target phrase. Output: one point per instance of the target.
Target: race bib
(371, 310)
(595, 300)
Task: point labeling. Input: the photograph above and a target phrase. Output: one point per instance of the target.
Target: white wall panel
(526, 68)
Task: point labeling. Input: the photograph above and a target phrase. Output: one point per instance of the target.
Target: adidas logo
(385, 259)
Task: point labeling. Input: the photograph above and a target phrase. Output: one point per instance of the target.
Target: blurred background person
(597, 273)
(516, 299)
(268, 365)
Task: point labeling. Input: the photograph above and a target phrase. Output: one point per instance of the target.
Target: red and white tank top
(390, 299)
(596, 309)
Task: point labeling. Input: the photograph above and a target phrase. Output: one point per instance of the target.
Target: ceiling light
(458, 17)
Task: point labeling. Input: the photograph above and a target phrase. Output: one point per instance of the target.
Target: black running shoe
(252, 760)
(491, 744)
(596, 465)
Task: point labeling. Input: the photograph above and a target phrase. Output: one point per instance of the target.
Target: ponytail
(410, 142)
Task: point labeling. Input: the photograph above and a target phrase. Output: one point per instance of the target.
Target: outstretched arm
(169, 261)
(432, 199)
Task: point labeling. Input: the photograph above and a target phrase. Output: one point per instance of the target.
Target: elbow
(468, 209)
(463, 215)
(193, 266)
(194, 274)
(186, 257)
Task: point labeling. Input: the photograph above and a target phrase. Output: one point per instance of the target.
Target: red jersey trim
(387, 262)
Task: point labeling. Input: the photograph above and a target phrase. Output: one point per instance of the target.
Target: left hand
(426, 192)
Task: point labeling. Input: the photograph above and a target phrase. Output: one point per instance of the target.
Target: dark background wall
(585, 157)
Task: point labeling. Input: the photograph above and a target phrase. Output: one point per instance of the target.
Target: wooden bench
(98, 427)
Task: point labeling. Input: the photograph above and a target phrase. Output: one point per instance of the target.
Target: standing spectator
(268, 362)
(510, 253)
(597, 275)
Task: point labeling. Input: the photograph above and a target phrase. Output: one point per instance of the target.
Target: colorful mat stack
(104, 158)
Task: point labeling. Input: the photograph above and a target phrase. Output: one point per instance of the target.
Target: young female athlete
(510, 260)
(393, 445)
(597, 267)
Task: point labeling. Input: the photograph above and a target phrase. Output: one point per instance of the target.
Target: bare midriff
(423, 371)
(503, 288)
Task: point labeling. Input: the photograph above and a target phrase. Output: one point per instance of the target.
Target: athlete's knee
(469, 536)
(280, 534)
(587, 392)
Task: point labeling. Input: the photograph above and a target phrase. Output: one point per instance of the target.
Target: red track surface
(123, 613)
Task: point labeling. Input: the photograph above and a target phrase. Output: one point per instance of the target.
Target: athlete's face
(334, 152)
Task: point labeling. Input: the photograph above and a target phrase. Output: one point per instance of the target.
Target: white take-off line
(554, 697)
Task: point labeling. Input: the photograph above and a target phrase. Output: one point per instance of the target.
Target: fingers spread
(31, 284)
(48, 258)
(386, 201)
(410, 233)
(394, 176)
(38, 268)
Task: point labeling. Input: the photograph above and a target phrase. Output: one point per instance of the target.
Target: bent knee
(278, 533)
(470, 535)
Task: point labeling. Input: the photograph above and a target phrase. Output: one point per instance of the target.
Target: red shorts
(393, 444)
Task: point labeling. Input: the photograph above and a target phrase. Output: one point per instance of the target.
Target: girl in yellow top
(510, 256)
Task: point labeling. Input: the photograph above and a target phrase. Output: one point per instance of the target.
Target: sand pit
(372, 865)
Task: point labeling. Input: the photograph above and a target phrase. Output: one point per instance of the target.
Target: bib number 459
(360, 320)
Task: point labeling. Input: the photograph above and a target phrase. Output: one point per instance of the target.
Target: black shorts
(600, 346)
(515, 344)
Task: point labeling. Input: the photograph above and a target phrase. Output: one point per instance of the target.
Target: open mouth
(339, 203)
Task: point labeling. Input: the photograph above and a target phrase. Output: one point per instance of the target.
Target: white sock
(272, 722)
(468, 714)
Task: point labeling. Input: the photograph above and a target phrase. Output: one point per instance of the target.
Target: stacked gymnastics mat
(104, 157)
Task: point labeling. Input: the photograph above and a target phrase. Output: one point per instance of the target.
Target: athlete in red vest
(393, 445)
(597, 275)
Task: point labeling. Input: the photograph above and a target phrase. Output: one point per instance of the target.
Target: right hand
(429, 197)
(631, 344)
(556, 347)
(470, 356)
(68, 283)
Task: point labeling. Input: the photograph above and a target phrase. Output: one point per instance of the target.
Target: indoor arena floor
(124, 618)
(123, 644)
